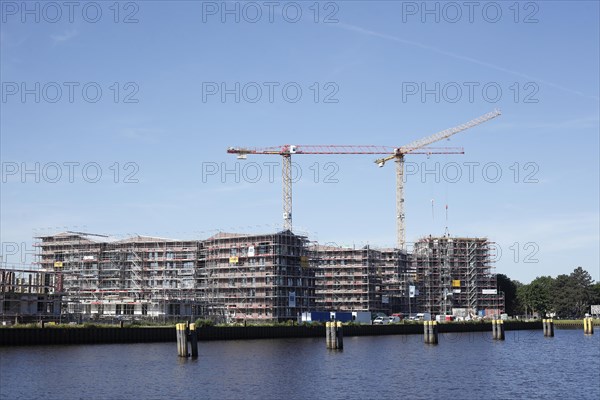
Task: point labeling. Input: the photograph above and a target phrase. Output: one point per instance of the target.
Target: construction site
(232, 277)
(242, 277)
(454, 276)
(269, 277)
(138, 276)
(28, 293)
(364, 279)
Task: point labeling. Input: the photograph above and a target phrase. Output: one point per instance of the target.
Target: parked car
(423, 317)
(393, 319)
(381, 320)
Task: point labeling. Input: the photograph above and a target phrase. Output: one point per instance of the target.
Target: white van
(423, 316)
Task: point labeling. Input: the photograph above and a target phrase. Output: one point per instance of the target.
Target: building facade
(228, 277)
(27, 295)
(364, 279)
(454, 276)
(347, 278)
(136, 277)
(268, 277)
(263, 277)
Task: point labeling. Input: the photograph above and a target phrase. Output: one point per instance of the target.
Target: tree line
(566, 296)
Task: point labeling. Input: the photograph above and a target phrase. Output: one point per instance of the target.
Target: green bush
(204, 322)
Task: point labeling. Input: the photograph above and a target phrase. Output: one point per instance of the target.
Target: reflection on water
(462, 366)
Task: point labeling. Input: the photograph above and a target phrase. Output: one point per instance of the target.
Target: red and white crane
(286, 152)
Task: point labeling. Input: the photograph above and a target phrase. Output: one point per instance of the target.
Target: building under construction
(262, 277)
(347, 279)
(27, 295)
(364, 279)
(227, 277)
(269, 277)
(454, 277)
(138, 276)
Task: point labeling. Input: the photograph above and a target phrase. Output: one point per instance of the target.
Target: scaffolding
(232, 277)
(350, 279)
(454, 276)
(27, 294)
(136, 277)
(395, 277)
(260, 277)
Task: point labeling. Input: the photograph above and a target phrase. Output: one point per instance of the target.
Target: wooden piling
(425, 331)
(178, 340)
(339, 336)
(433, 332)
(328, 335)
(182, 350)
(193, 338)
(500, 330)
(548, 325)
(494, 330)
(179, 344)
(588, 326)
(544, 327)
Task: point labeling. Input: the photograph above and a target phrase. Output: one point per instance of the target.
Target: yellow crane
(419, 146)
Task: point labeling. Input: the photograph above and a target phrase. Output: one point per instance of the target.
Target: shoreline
(105, 335)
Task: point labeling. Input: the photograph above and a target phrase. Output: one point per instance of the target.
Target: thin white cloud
(63, 37)
(364, 31)
(142, 134)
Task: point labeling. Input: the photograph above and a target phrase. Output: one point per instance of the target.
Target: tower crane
(414, 148)
(287, 150)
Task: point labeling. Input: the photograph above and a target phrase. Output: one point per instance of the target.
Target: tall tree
(537, 296)
(595, 290)
(581, 284)
(563, 292)
(509, 287)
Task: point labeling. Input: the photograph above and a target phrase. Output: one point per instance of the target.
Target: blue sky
(166, 130)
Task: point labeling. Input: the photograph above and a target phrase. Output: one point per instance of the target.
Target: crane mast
(287, 191)
(286, 152)
(413, 148)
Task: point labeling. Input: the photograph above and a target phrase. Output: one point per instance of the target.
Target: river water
(462, 366)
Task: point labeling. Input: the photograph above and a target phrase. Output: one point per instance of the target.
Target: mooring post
(121, 324)
(193, 336)
(433, 334)
(181, 339)
(425, 332)
(544, 327)
(588, 326)
(548, 325)
(339, 336)
(494, 330)
(500, 329)
(332, 335)
(178, 340)
(182, 350)
(327, 335)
